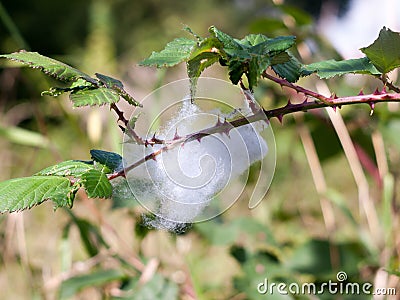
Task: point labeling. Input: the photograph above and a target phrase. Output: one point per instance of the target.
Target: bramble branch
(128, 128)
(264, 114)
(299, 89)
(389, 84)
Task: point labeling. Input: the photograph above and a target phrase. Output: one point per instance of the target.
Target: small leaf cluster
(83, 90)
(249, 56)
(61, 182)
(255, 53)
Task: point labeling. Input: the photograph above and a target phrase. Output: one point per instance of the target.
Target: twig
(299, 89)
(389, 84)
(128, 128)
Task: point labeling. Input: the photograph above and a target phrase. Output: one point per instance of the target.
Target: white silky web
(199, 178)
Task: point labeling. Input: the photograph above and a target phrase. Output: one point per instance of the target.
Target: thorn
(219, 123)
(176, 136)
(226, 123)
(227, 132)
(153, 156)
(280, 118)
(377, 92)
(334, 108)
(155, 140)
(198, 137)
(372, 105)
(123, 129)
(289, 103)
(334, 96)
(361, 93)
(384, 91)
(305, 101)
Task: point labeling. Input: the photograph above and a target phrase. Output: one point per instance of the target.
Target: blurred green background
(332, 206)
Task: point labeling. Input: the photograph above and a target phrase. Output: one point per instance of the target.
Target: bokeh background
(332, 206)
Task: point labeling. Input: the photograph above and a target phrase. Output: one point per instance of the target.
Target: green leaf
(209, 45)
(109, 81)
(55, 91)
(66, 200)
(79, 84)
(110, 159)
(96, 184)
(133, 120)
(331, 68)
(24, 137)
(99, 96)
(253, 39)
(90, 235)
(282, 57)
(384, 51)
(205, 54)
(188, 29)
(117, 86)
(175, 52)
(52, 67)
(257, 66)
(67, 168)
(275, 45)
(75, 284)
(231, 45)
(197, 65)
(22, 193)
(128, 98)
(253, 54)
(236, 70)
(291, 70)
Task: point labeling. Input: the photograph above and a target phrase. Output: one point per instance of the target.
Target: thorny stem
(264, 114)
(389, 84)
(128, 128)
(299, 89)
